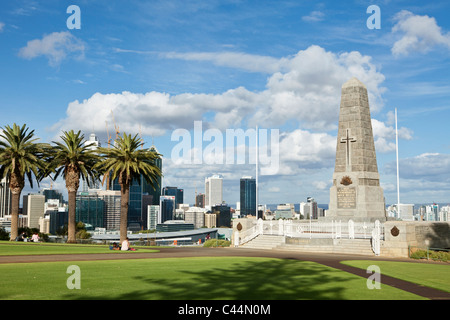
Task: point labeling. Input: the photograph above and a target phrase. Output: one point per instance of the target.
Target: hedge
(216, 243)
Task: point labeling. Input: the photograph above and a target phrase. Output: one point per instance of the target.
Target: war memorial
(356, 221)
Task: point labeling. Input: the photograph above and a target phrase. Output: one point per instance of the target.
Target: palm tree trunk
(15, 200)
(72, 184)
(124, 198)
(71, 228)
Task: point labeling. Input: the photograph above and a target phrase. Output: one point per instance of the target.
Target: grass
(431, 275)
(8, 248)
(204, 278)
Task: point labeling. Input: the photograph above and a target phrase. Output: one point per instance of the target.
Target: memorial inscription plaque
(346, 198)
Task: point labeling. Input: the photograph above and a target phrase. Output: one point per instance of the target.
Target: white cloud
(384, 135)
(419, 34)
(304, 92)
(55, 46)
(2, 25)
(314, 16)
(310, 90)
(427, 166)
(302, 149)
(321, 185)
(244, 61)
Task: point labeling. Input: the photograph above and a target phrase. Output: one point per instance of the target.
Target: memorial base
(358, 200)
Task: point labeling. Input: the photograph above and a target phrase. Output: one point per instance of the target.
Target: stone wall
(399, 235)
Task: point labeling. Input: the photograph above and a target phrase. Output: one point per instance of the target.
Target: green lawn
(8, 248)
(431, 275)
(205, 278)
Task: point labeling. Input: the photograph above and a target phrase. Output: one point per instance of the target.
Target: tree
(125, 161)
(74, 160)
(20, 156)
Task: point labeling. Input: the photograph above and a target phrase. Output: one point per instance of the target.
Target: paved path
(332, 260)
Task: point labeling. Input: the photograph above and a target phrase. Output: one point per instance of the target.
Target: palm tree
(20, 156)
(127, 163)
(73, 160)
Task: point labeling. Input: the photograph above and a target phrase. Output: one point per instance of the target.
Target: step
(344, 246)
(264, 242)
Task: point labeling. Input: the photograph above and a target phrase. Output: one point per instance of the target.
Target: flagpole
(398, 177)
(257, 160)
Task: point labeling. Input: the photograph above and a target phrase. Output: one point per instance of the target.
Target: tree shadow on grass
(274, 279)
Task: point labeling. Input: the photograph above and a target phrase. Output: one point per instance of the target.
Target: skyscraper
(167, 208)
(248, 196)
(213, 190)
(90, 209)
(5, 198)
(33, 207)
(200, 200)
(223, 215)
(177, 193)
(156, 193)
(111, 201)
(93, 143)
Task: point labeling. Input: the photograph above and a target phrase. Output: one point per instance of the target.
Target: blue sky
(161, 65)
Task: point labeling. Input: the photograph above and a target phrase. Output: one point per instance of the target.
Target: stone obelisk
(356, 193)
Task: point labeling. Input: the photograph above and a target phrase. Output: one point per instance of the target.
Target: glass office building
(90, 210)
(248, 196)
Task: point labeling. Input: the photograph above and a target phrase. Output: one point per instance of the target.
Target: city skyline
(153, 68)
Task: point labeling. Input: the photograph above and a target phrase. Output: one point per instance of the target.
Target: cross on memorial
(347, 140)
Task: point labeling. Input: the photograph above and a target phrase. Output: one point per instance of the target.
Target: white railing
(316, 229)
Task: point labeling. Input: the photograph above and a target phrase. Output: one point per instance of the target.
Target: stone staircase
(265, 242)
(339, 246)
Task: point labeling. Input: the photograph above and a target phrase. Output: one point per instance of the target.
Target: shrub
(431, 254)
(216, 243)
(4, 235)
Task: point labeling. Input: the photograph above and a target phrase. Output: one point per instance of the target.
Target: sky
(161, 69)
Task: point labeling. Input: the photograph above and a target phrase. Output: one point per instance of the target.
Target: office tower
(248, 196)
(152, 218)
(210, 220)
(156, 193)
(177, 193)
(167, 208)
(51, 194)
(92, 144)
(5, 198)
(304, 210)
(111, 200)
(196, 216)
(200, 200)
(223, 213)
(312, 207)
(147, 200)
(213, 190)
(58, 219)
(90, 210)
(33, 207)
